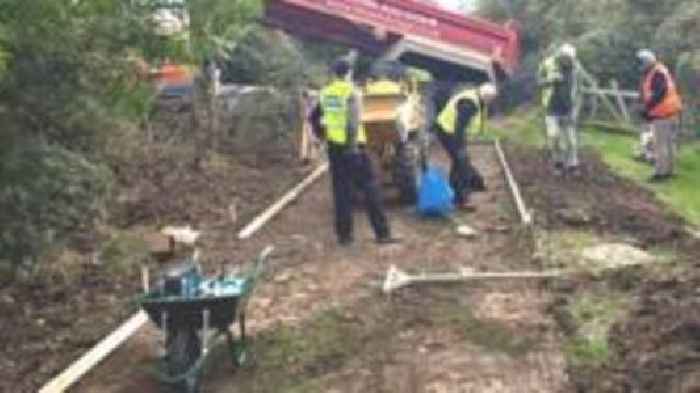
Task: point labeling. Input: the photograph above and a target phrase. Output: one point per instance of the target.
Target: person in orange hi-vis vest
(662, 106)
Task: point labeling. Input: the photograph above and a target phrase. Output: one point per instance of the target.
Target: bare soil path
(320, 323)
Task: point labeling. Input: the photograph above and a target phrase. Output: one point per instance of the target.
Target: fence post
(620, 100)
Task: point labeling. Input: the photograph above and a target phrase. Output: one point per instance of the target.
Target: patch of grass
(591, 351)
(593, 317)
(665, 256)
(563, 249)
(526, 128)
(681, 193)
(296, 358)
(325, 341)
(123, 252)
(487, 334)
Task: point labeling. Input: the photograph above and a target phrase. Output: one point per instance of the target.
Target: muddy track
(320, 322)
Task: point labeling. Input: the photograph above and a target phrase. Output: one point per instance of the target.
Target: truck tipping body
(412, 31)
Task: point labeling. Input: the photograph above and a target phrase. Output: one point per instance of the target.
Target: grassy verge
(593, 316)
(681, 194)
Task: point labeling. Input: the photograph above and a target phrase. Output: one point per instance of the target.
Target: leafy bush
(607, 33)
(47, 193)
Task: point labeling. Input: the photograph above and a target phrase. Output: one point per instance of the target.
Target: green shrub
(47, 194)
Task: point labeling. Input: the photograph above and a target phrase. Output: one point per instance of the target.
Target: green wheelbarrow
(193, 312)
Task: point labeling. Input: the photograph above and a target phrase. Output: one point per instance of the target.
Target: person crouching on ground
(338, 113)
(662, 109)
(465, 112)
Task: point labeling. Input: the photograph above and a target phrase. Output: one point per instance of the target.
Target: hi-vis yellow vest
(548, 72)
(448, 116)
(334, 104)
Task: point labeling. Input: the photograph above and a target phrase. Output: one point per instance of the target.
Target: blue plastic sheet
(435, 194)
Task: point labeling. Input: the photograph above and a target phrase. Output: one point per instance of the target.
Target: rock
(184, 235)
(615, 255)
(283, 277)
(233, 212)
(299, 238)
(574, 217)
(466, 231)
(264, 302)
(496, 228)
(690, 383)
(300, 296)
(694, 232)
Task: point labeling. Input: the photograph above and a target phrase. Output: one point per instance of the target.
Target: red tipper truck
(415, 32)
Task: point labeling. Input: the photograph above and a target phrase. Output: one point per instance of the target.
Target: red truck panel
(354, 22)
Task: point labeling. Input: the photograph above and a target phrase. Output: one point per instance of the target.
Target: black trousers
(347, 171)
(461, 169)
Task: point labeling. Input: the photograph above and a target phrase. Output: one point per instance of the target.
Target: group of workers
(660, 101)
(337, 117)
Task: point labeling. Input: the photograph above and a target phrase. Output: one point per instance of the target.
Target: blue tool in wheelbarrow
(193, 311)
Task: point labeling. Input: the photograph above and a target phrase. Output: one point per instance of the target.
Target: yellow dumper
(394, 118)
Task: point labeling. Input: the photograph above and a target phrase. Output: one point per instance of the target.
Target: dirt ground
(41, 317)
(321, 324)
(654, 345)
(596, 198)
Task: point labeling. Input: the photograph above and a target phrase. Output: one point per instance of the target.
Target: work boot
(345, 241)
(660, 178)
(640, 158)
(385, 240)
(573, 170)
(558, 169)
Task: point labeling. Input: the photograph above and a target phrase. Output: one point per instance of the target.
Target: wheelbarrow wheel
(183, 352)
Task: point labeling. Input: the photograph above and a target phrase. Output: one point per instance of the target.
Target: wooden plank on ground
(525, 216)
(80, 367)
(270, 213)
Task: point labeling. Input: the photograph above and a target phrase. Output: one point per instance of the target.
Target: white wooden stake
(100, 351)
(270, 213)
(525, 216)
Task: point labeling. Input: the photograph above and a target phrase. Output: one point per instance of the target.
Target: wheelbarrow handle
(262, 257)
(266, 252)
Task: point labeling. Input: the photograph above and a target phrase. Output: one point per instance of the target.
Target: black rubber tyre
(406, 167)
(183, 351)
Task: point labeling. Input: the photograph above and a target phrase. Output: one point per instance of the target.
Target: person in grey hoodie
(558, 80)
